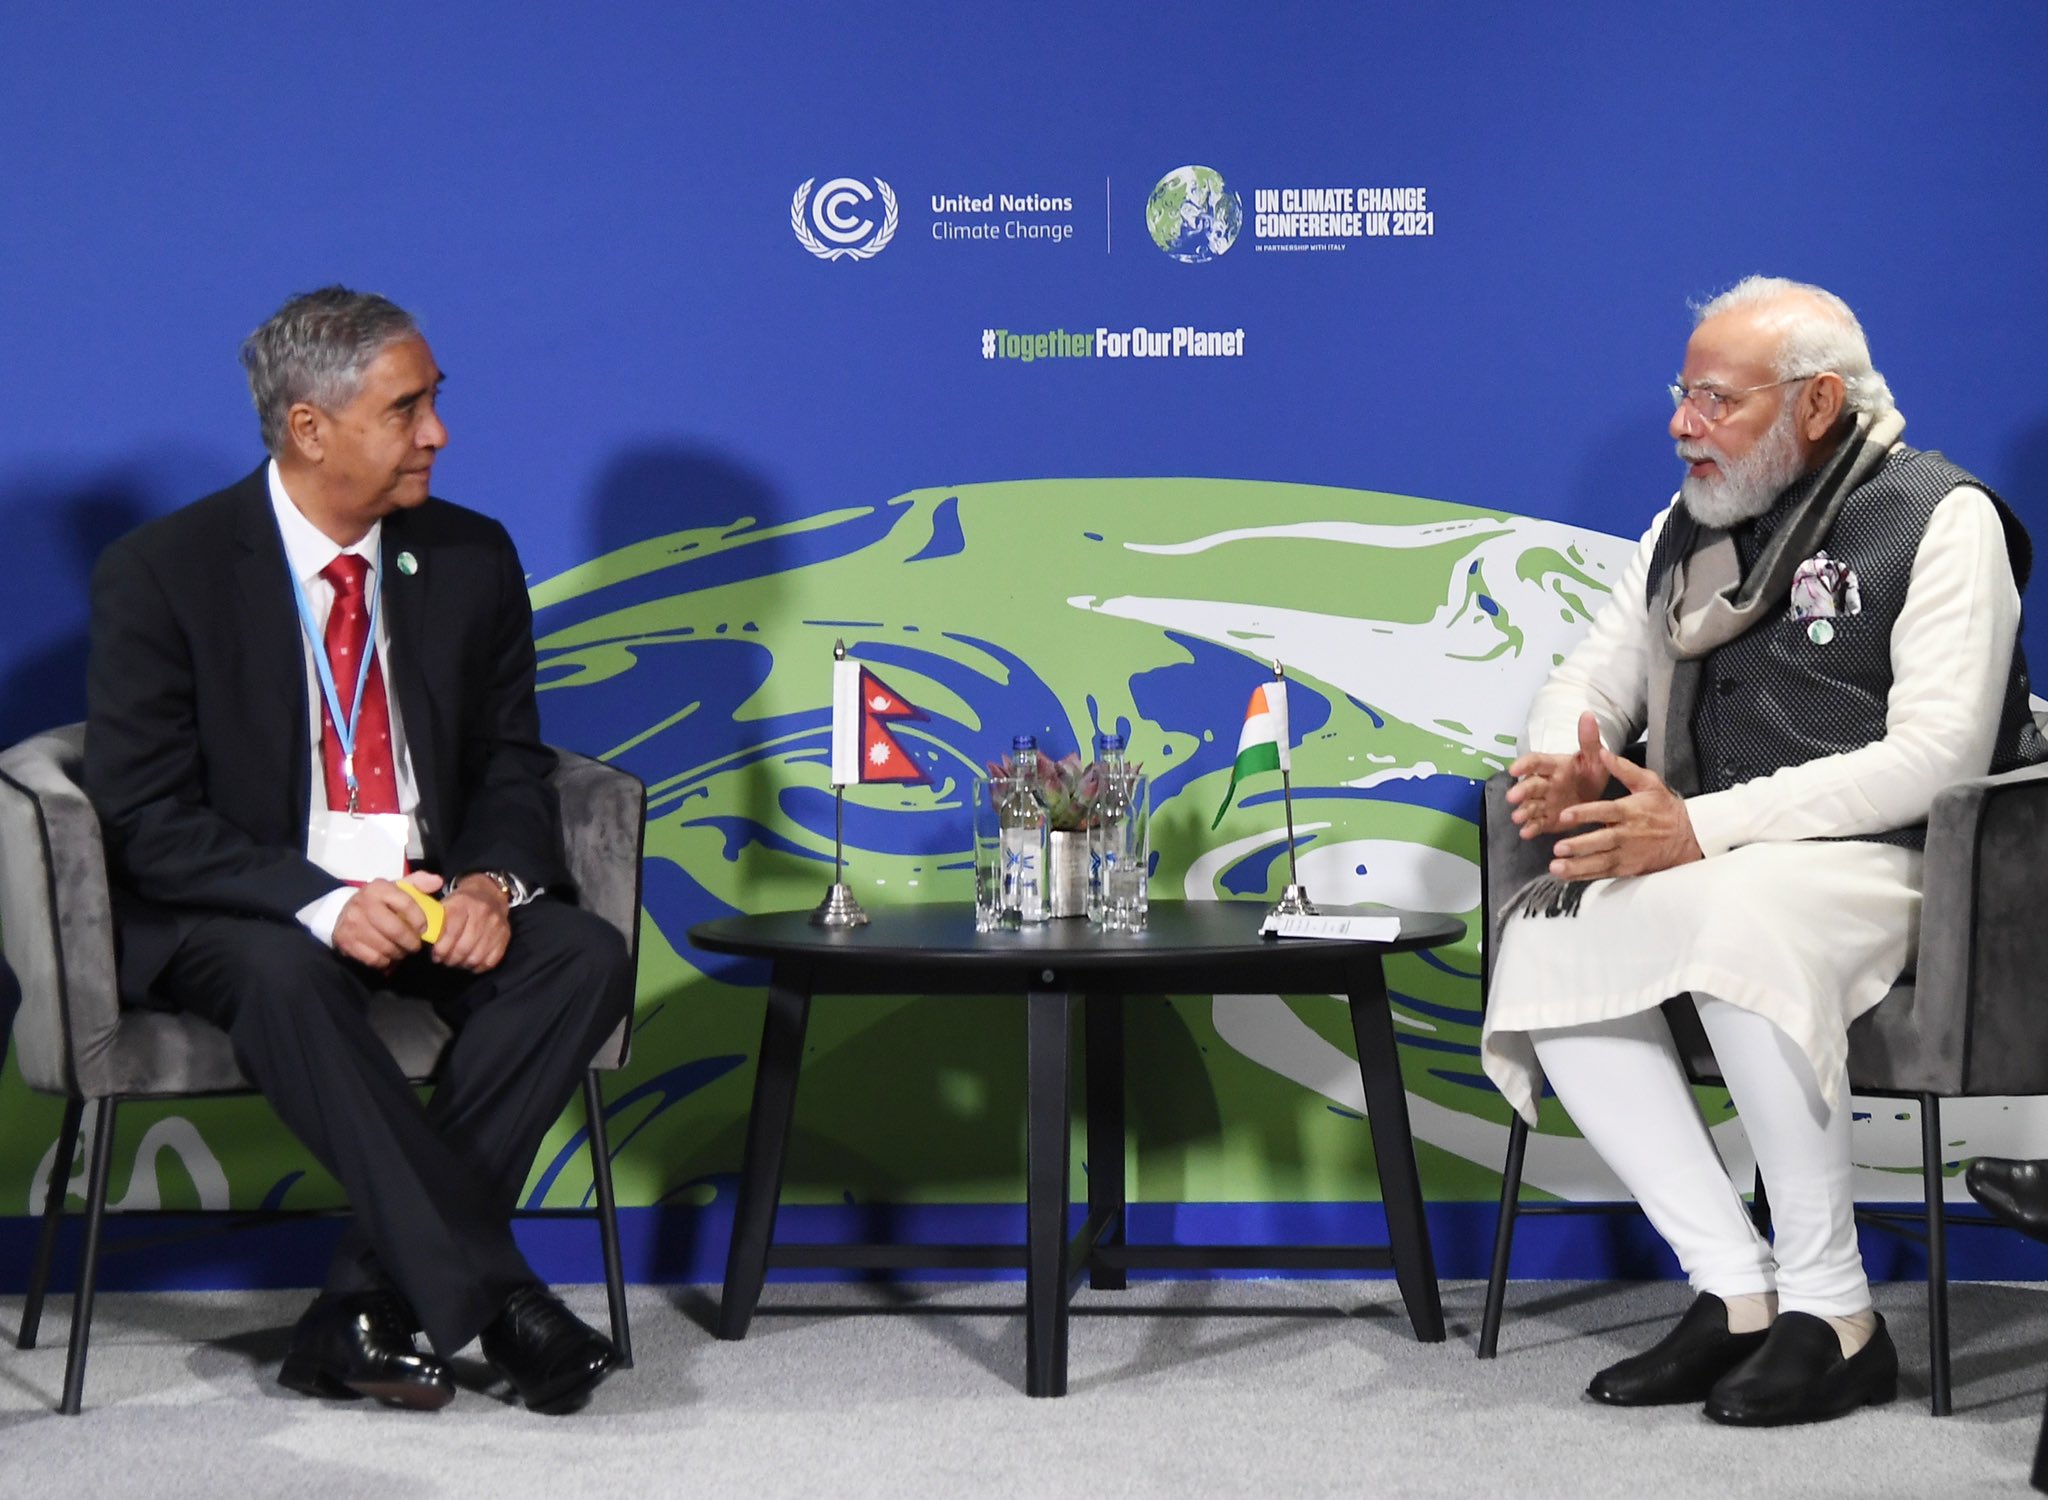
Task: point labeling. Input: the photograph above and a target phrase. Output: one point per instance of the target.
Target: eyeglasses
(1712, 403)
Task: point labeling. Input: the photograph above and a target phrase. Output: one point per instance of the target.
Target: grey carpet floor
(1254, 1388)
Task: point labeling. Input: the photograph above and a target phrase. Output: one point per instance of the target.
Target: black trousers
(433, 1186)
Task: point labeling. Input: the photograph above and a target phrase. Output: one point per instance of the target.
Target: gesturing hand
(1548, 785)
(1646, 831)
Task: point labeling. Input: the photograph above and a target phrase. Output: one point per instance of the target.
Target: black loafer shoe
(552, 1357)
(2015, 1191)
(361, 1345)
(1683, 1365)
(1800, 1376)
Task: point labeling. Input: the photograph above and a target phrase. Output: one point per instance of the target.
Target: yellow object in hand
(436, 914)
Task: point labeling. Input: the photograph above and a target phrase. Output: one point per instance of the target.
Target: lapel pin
(408, 564)
(1820, 632)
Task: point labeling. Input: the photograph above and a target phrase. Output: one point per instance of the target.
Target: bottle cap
(1112, 744)
(1024, 742)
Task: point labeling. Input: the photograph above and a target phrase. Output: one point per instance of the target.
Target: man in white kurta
(1785, 902)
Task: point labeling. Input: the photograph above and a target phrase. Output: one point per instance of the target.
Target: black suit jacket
(198, 753)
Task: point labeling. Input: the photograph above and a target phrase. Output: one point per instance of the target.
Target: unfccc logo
(839, 215)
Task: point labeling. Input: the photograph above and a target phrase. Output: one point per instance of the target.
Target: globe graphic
(1193, 217)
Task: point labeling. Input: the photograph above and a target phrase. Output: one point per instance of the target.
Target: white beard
(1747, 486)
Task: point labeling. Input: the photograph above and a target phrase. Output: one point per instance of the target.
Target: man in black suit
(273, 817)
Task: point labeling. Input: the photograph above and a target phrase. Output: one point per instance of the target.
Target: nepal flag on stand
(863, 748)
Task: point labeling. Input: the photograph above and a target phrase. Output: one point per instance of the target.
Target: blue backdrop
(591, 212)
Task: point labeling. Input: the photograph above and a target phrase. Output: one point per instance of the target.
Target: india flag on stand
(1262, 743)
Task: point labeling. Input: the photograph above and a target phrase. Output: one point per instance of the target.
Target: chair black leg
(89, 1264)
(1503, 1236)
(53, 1217)
(1937, 1253)
(607, 1216)
(2039, 1477)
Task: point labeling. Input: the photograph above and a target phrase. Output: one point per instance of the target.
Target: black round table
(1187, 947)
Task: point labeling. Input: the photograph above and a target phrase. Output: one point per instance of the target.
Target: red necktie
(348, 637)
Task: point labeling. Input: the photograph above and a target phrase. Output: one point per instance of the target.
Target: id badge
(359, 847)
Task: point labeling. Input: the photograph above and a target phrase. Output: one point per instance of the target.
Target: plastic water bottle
(1130, 899)
(1024, 838)
(1106, 831)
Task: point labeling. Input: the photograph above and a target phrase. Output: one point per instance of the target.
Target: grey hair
(1817, 332)
(315, 348)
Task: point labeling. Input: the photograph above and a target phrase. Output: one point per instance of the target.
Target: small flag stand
(840, 908)
(1294, 900)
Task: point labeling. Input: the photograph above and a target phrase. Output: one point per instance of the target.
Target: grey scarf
(1704, 601)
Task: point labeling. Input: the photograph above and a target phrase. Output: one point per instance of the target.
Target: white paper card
(1335, 929)
(369, 846)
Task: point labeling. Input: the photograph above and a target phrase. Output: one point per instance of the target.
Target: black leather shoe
(361, 1345)
(1683, 1365)
(1800, 1376)
(552, 1357)
(2015, 1191)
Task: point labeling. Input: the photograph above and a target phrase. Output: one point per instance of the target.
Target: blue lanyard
(345, 734)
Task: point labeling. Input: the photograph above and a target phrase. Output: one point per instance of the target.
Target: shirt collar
(307, 549)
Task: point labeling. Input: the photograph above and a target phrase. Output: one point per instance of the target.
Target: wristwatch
(507, 883)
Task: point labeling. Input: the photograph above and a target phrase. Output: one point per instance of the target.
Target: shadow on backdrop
(2026, 469)
(2024, 486)
(56, 526)
(663, 487)
(672, 715)
(644, 719)
(2025, 482)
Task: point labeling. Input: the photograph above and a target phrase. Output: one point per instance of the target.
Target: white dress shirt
(1806, 934)
(307, 551)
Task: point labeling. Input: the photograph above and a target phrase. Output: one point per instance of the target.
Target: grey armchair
(1968, 1024)
(75, 1039)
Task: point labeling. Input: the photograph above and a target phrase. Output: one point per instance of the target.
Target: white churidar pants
(1623, 1084)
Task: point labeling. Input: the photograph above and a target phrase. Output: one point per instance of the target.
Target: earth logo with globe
(1193, 217)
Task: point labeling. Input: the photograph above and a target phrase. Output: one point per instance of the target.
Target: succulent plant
(1068, 787)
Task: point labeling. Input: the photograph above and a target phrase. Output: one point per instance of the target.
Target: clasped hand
(382, 926)
(1637, 834)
